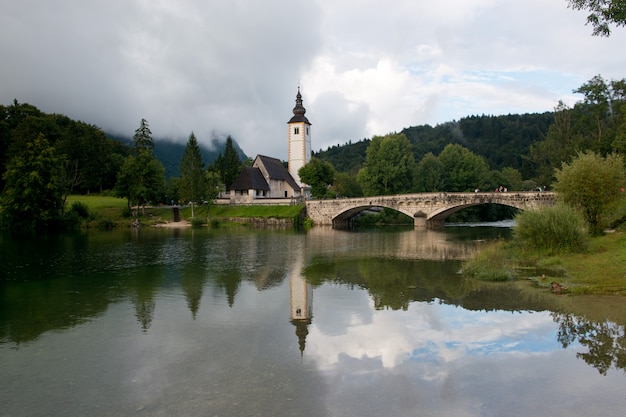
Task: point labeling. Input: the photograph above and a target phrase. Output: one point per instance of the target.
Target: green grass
(116, 210)
(276, 212)
(601, 269)
(96, 202)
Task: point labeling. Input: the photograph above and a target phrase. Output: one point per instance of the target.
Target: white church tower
(299, 140)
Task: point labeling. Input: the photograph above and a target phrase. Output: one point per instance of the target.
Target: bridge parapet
(427, 209)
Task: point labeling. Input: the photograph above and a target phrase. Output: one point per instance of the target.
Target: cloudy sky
(364, 67)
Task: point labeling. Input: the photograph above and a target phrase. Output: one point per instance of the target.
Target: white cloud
(429, 334)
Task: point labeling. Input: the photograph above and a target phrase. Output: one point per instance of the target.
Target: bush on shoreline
(552, 230)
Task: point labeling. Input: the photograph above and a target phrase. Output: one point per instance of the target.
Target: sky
(364, 68)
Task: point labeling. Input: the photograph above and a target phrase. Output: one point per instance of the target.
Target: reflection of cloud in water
(431, 335)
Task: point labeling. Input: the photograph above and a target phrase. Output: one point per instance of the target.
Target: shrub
(105, 224)
(126, 213)
(489, 264)
(80, 209)
(197, 222)
(554, 229)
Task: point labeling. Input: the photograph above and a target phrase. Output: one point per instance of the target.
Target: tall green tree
(229, 165)
(591, 183)
(463, 170)
(559, 145)
(192, 183)
(603, 14)
(32, 196)
(213, 182)
(142, 138)
(142, 177)
(429, 174)
(346, 185)
(319, 175)
(389, 166)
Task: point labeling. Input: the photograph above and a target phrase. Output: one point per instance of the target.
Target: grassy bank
(600, 269)
(115, 211)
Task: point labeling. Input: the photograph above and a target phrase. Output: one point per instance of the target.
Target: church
(268, 178)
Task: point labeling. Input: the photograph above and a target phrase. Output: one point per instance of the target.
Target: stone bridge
(428, 210)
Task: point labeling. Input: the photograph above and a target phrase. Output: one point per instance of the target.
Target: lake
(239, 322)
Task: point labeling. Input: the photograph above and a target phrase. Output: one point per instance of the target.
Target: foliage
(192, 183)
(504, 141)
(345, 158)
(429, 174)
(385, 217)
(229, 165)
(389, 166)
(512, 179)
(32, 196)
(591, 183)
(142, 177)
(319, 175)
(91, 159)
(488, 264)
(213, 184)
(595, 123)
(463, 170)
(603, 13)
(81, 209)
(556, 229)
(197, 222)
(346, 185)
(142, 140)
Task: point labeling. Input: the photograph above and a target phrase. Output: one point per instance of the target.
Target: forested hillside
(92, 157)
(504, 141)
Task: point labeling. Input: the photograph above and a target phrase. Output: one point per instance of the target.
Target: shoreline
(174, 225)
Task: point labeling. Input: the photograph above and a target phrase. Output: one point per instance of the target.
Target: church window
(296, 130)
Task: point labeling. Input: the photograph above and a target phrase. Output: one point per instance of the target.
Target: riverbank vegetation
(579, 244)
(106, 212)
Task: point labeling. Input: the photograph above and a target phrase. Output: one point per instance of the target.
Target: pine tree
(142, 138)
(231, 164)
(142, 177)
(192, 178)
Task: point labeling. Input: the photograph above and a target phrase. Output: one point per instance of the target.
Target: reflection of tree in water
(192, 283)
(194, 276)
(144, 311)
(605, 341)
(391, 283)
(143, 291)
(230, 281)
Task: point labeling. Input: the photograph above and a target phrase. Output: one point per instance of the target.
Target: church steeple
(299, 138)
(299, 111)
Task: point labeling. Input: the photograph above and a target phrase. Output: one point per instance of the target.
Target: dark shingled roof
(277, 171)
(250, 179)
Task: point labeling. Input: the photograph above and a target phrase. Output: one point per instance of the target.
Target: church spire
(299, 110)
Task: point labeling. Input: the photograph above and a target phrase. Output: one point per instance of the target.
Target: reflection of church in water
(301, 301)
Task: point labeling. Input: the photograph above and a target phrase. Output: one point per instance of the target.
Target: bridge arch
(344, 218)
(438, 217)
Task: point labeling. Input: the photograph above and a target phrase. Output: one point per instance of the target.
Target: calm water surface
(162, 322)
